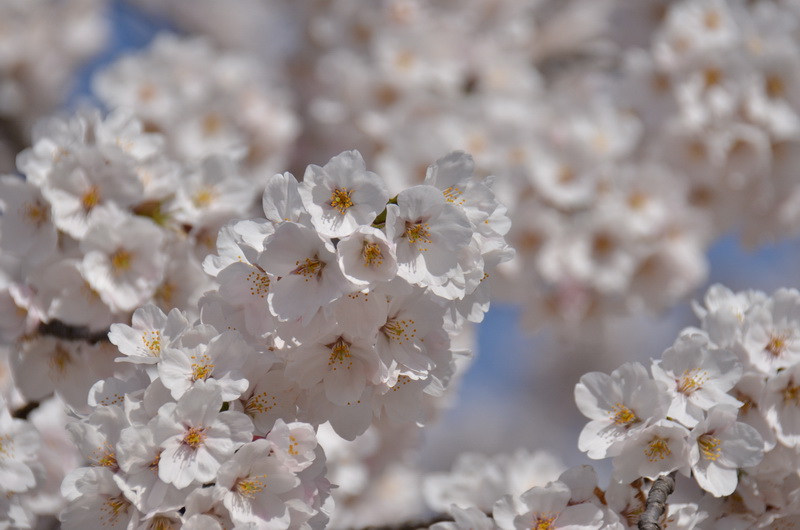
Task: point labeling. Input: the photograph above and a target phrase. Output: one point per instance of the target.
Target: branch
(657, 502)
(413, 525)
(56, 328)
(23, 412)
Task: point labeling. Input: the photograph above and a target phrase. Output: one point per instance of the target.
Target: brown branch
(56, 328)
(413, 525)
(657, 502)
(24, 411)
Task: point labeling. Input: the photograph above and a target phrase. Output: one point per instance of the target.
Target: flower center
(202, 367)
(372, 254)
(623, 416)
(310, 268)
(777, 345)
(195, 437)
(165, 292)
(340, 353)
(161, 523)
(657, 449)
(250, 486)
(259, 283)
(204, 196)
(774, 87)
(543, 521)
(260, 403)
(121, 260)
(691, 381)
(340, 200)
(709, 446)
(152, 341)
(113, 508)
(397, 329)
(418, 232)
(36, 213)
(452, 194)
(791, 394)
(59, 360)
(90, 199)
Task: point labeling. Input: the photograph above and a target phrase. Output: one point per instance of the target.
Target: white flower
(722, 446)
(84, 188)
(367, 257)
(150, 333)
(254, 478)
(123, 260)
(619, 405)
(342, 195)
(27, 226)
(429, 234)
(310, 276)
(196, 437)
(282, 201)
(652, 451)
(96, 502)
(780, 404)
(771, 334)
(697, 377)
(546, 507)
(19, 443)
(202, 355)
(271, 399)
(343, 364)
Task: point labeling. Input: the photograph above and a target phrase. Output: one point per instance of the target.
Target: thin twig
(657, 502)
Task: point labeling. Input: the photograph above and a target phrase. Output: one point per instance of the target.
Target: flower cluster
(205, 102)
(358, 294)
(534, 491)
(171, 443)
(721, 406)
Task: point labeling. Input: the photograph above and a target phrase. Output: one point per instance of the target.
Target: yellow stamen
(372, 254)
(340, 200)
(418, 233)
(543, 521)
(398, 329)
(195, 437)
(340, 354)
(90, 199)
(152, 341)
(657, 449)
(310, 268)
(709, 446)
(250, 486)
(202, 368)
(205, 196)
(691, 381)
(113, 509)
(791, 394)
(623, 416)
(452, 194)
(260, 404)
(121, 260)
(165, 292)
(777, 345)
(259, 282)
(36, 213)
